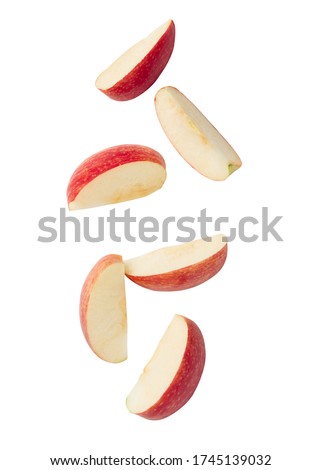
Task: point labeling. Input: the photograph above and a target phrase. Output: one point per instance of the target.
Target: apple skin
(106, 160)
(186, 277)
(90, 280)
(146, 72)
(186, 379)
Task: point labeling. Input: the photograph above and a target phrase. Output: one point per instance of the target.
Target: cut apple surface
(140, 66)
(114, 175)
(194, 137)
(178, 267)
(103, 309)
(173, 373)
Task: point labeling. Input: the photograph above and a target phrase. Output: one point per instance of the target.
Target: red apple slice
(173, 373)
(114, 175)
(194, 137)
(103, 309)
(178, 267)
(140, 66)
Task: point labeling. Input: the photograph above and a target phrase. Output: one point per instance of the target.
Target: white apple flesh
(103, 309)
(194, 137)
(178, 267)
(173, 373)
(140, 66)
(114, 175)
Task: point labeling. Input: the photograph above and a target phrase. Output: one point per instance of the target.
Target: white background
(254, 69)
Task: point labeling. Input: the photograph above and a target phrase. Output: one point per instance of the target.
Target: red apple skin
(184, 278)
(186, 379)
(142, 77)
(99, 267)
(106, 160)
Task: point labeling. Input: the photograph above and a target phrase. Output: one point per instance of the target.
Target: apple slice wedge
(140, 66)
(173, 373)
(178, 267)
(114, 175)
(103, 309)
(193, 136)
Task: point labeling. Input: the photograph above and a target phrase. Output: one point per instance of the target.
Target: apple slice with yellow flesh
(178, 267)
(103, 309)
(193, 136)
(140, 66)
(173, 373)
(116, 174)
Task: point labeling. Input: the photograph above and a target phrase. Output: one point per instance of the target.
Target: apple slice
(178, 267)
(140, 66)
(173, 373)
(114, 175)
(103, 309)
(194, 137)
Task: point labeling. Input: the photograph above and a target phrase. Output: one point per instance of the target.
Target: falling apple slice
(103, 309)
(140, 66)
(173, 373)
(114, 175)
(194, 137)
(178, 267)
